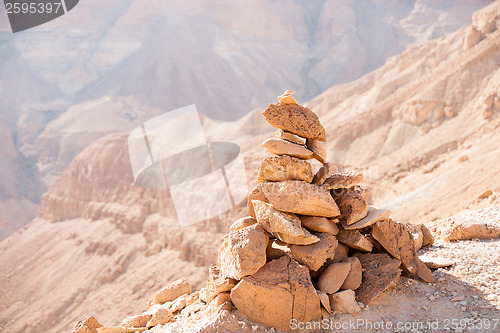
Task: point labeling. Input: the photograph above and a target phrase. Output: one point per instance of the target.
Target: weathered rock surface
(242, 223)
(340, 253)
(136, 321)
(87, 325)
(279, 292)
(352, 205)
(295, 119)
(314, 256)
(161, 317)
(220, 302)
(243, 252)
(344, 302)
(379, 272)
(333, 277)
(343, 180)
(325, 301)
(323, 172)
(354, 278)
(355, 240)
(374, 215)
(285, 226)
(320, 224)
(436, 262)
(280, 134)
(171, 292)
(217, 283)
(120, 329)
(283, 147)
(295, 196)
(457, 229)
(256, 194)
(280, 168)
(318, 149)
(428, 237)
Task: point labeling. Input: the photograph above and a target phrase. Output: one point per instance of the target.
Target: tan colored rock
(355, 240)
(120, 329)
(280, 134)
(424, 272)
(86, 325)
(287, 98)
(318, 149)
(397, 239)
(472, 38)
(171, 292)
(161, 317)
(177, 305)
(344, 302)
(320, 224)
(343, 180)
(242, 223)
(436, 262)
(341, 252)
(374, 215)
(279, 292)
(354, 278)
(280, 168)
(323, 173)
(352, 205)
(428, 238)
(379, 272)
(418, 236)
(216, 284)
(314, 256)
(283, 147)
(218, 301)
(256, 194)
(295, 196)
(136, 321)
(193, 308)
(284, 226)
(276, 249)
(295, 119)
(193, 297)
(457, 229)
(325, 301)
(243, 252)
(333, 277)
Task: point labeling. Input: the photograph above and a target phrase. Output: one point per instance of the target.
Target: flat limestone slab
(295, 119)
(436, 262)
(283, 147)
(379, 272)
(374, 215)
(354, 239)
(280, 168)
(320, 224)
(295, 196)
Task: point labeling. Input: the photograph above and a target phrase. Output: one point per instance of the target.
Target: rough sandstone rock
(161, 317)
(352, 205)
(323, 173)
(355, 240)
(333, 277)
(242, 223)
(374, 215)
(418, 236)
(459, 229)
(295, 119)
(217, 283)
(119, 329)
(286, 98)
(136, 321)
(219, 302)
(171, 292)
(428, 238)
(320, 224)
(283, 147)
(243, 252)
(436, 262)
(325, 301)
(354, 278)
(314, 256)
(344, 302)
(318, 149)
(279, 292)
(276, 249)
(295, 196)
(379, 272)
(343, 180)
(340, 253)
(280, 134)
(280, 168)
(86, 325)
(284, 226)
(256, 194)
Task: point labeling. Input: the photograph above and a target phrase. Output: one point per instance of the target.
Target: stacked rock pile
(310, 247)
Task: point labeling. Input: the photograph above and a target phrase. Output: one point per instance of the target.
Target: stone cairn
(310, 247)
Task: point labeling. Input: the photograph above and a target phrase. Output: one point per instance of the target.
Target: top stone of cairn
(294, 118)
